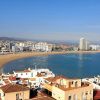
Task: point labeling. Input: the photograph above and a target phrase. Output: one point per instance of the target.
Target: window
(72, 82)
(17, 75)
(90, 92)
(86, 93)
(17, 96)
(21, 74)
(75, 84)
(34, 83)
(69, 98)
(83, 96)
(59, 97)
(31, 74)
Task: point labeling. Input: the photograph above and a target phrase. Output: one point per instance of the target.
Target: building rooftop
(12, 78)
(62, 87)
(32, 79)
(53, 82)
(54, 79)
(23, 71)
(13, 88)
(41, 74)
(96, 94)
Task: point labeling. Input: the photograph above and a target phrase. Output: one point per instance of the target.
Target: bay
(69, 65)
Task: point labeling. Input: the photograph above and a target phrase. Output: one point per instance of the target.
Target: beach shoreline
(4, 59)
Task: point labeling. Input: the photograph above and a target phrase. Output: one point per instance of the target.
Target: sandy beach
(10, 57)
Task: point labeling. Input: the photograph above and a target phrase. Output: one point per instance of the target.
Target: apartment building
(43, 46)
(61, 88)
(83, 45)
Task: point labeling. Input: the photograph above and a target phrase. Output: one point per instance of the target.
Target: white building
(95, 81)
(83, 45)
(95, 47)
(21, 44)
(28, 73)
(34, 76)
(43, 46)
(15, 49)
(24, 74)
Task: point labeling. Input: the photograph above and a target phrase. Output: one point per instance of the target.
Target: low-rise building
(14, 92)
(23, 74)
(61, 88)
(95, 81)
(34, 76)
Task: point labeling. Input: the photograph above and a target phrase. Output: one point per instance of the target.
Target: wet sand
(10, 57)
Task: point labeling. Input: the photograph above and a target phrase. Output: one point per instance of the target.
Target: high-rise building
(83, 45)
(87, 45)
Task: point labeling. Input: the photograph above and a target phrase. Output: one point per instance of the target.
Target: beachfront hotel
(61, 88)
(83, 45)
(43, 46)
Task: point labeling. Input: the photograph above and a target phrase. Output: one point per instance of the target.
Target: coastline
(4, 59)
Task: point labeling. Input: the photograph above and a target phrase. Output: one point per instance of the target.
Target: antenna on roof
(35, 67)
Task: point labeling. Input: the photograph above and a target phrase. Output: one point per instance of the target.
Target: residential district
(43, 84)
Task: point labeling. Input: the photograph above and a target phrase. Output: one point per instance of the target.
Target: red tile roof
(27, 70)
(11, 78)
(53, 79)
(13, 88)
(96, 95)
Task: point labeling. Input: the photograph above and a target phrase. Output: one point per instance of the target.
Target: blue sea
(69, 65)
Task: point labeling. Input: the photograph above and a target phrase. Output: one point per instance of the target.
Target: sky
(50, 19)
